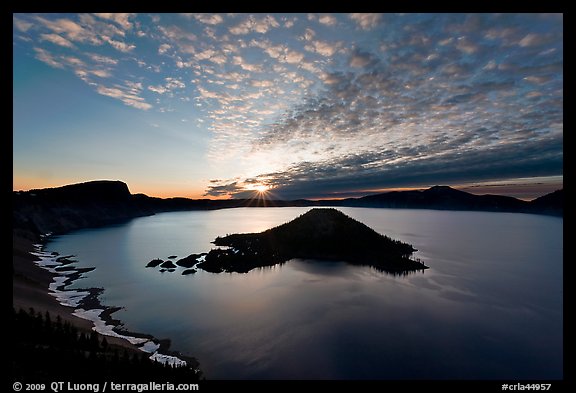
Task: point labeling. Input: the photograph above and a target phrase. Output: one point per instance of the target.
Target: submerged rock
(66, 260)
(322, 234)
(189, 271)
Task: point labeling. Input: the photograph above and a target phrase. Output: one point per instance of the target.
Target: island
(320, 234)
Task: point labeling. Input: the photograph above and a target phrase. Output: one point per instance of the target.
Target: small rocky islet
(319, 234)
(169, 266)
(155, 262)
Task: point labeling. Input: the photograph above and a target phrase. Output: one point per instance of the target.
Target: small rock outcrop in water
(324, 234)
(168, 265)
(155, 262)
(189, 261)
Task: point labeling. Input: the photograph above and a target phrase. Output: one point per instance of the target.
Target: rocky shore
(39, 286)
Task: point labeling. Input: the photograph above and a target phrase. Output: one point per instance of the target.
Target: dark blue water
(489, 307)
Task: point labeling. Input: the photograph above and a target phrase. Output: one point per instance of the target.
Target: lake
(489, 306)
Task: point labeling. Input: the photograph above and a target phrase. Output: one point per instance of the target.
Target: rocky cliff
(62, 209)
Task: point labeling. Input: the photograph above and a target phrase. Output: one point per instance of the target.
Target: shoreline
(40, 280)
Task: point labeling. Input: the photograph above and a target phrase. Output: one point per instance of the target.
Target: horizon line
(353, 195)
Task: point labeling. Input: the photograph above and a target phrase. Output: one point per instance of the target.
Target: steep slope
(72, 207)
(552, 204)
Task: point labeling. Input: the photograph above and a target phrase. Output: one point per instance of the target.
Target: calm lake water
(489, 307)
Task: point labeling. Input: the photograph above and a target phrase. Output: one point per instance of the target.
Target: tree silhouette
(44, 351)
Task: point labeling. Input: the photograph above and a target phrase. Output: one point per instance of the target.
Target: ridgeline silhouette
(96, 203)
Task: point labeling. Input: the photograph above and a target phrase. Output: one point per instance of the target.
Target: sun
(261, 189)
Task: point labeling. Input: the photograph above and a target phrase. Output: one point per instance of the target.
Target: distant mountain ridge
(447, 198)
(102, 202)
(552, 203)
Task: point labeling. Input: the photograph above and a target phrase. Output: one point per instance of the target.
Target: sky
(301, 105)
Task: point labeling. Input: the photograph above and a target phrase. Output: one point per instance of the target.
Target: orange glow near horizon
(23, 183)
(174, 193)
(160, 191)
(526, 189)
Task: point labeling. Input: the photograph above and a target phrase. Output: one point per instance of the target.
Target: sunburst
(261, 189)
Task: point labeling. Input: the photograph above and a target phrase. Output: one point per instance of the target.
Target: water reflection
(489, 307)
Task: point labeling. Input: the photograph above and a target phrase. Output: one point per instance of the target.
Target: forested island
(321, 234)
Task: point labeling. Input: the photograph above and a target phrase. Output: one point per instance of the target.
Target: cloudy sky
(305, 105)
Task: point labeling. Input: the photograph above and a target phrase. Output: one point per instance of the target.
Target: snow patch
(150, 347)
(171, 360)
(70, 298)
(101, 327)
